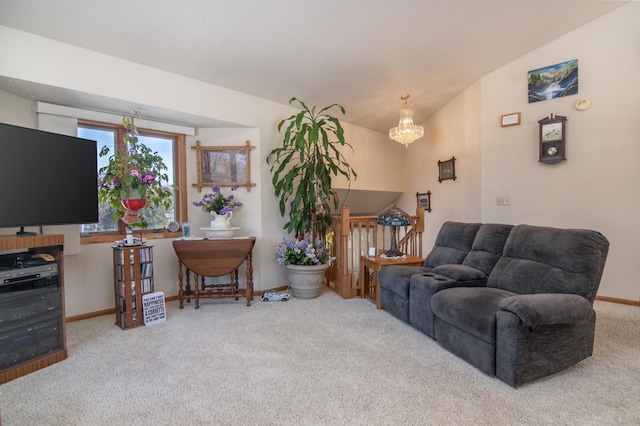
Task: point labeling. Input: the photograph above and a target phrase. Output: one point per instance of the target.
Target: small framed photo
(447, 169)
(512, 119)
(223, 166)
(424, 200)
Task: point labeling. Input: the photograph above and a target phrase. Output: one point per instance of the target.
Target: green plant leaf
(303, 165)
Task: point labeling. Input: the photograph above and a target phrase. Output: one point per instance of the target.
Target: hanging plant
(137, 173)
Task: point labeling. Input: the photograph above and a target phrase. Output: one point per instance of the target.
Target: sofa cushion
(550, 260)
(471, 309)
(395, 278)
(453, 243)
(422, 287)
(487, 247)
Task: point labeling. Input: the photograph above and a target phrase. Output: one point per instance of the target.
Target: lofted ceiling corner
(362, 54)
(364, 202)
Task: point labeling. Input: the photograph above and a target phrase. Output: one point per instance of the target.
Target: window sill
(110, 237)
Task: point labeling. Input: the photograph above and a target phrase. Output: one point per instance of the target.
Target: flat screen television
(46, 178)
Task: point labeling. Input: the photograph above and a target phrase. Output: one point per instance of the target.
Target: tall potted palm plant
(303, 167)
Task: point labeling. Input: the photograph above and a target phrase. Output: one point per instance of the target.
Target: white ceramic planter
(306, 280)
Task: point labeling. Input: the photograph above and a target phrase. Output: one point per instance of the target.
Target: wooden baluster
(350, 262)
(354, 236)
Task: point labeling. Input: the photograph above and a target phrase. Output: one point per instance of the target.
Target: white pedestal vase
(220, 226)
(306, 280)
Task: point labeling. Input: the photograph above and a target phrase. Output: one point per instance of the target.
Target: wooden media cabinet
(32, 318)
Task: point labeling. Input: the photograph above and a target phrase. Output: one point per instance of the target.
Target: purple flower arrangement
(133, 180)
(302, 252)
(217, 202)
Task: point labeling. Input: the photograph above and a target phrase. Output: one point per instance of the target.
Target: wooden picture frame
(512, 119)
(447, 169)
(223, 166)
(424, 200)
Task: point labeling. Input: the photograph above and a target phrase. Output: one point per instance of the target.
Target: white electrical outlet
(502, 201)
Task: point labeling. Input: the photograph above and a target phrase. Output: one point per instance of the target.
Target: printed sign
(153, 308)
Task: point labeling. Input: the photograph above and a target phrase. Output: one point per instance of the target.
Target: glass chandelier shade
(406, 132)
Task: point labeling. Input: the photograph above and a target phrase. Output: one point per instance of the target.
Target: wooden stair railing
(354, 235)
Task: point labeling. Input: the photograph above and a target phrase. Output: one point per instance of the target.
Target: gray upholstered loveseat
(514, 301)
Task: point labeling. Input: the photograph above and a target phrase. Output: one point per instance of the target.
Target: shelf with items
(32, 325)
(133, 277)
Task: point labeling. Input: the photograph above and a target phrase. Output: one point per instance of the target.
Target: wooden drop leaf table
(214, 258)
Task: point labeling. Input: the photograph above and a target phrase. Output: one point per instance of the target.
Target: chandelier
(406, 132)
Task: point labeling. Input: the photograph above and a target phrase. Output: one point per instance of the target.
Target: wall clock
(552, 139)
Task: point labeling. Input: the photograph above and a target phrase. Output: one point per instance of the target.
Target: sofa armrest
(546, 309)
(459, 272)
(431, 283)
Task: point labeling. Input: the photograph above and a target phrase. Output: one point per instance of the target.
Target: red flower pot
(133, 204)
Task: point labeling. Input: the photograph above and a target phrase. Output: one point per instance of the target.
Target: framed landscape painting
(553, 81)
(223, 166)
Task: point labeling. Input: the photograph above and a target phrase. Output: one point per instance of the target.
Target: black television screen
(46, 178)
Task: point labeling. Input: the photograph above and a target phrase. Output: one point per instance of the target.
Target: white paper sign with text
(154, 308)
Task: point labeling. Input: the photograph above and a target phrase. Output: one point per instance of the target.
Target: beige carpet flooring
(326, 361)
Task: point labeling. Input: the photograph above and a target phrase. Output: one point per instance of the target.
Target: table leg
(234, 284)
(188, 287)
(361, 279)
(248, 294)
(366, 283)
(180, 290)
(196, 288)
(377, 287)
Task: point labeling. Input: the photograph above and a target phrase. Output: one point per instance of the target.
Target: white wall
(597, 187)
(454, 131)
(88, 276)
(17, 111)
(245, 217)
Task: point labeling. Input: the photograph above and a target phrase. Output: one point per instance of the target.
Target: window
(171, 147)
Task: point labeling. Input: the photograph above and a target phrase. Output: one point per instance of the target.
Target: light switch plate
(502, 201)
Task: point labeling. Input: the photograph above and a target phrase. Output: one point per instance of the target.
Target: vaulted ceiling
(362, 54)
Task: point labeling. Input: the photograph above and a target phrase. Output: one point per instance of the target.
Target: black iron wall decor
(447, 169)
(424, 200)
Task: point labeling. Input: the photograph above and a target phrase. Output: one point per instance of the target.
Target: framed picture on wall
(553, 81)
(512, 119)
(424, 200)
(223, 166)
(447, 169)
